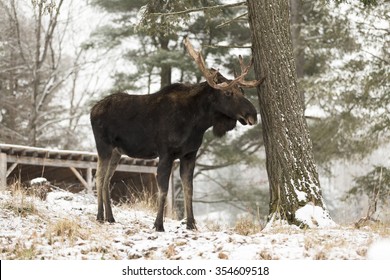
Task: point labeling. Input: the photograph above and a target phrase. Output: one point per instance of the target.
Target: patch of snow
(301, 195)
(314, 216)
(133, 236)
(379, 250)
(38, 181)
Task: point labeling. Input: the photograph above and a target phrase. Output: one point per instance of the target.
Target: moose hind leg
(163, 173)
(112, 164)
(187, 165)
(101, 170)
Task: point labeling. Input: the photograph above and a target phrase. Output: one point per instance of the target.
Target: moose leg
(100, 174)
(163, 173)
(187, 165)
(113, 163)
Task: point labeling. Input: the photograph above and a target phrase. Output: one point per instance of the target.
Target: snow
(314, 216)
(379, 250)
(38, 181)
(301, 195)
(64, 227)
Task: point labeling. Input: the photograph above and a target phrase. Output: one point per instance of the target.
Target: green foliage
(119, 6)
(158, 32)
(375, 184)
(364, 2)
(347, 76)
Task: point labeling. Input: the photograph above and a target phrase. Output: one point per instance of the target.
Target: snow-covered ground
(64, 227)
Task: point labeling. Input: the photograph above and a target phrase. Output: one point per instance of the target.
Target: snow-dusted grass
(64, 227)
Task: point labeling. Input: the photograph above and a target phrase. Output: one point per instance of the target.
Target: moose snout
(252, 119)
(248, 114)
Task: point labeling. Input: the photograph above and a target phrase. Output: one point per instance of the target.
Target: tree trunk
(166, 70)
(294, 186)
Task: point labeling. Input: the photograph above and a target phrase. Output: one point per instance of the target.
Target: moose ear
(219, 79)
(215, 73)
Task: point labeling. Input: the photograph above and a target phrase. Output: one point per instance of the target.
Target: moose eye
(228, 93)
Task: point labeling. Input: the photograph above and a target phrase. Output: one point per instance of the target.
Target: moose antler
(210, 75)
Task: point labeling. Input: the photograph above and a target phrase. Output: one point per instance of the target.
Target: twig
(377, 57)
(230, 21)
(200, 9)
(227, 47)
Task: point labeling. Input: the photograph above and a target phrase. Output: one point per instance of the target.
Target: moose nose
(251, 119)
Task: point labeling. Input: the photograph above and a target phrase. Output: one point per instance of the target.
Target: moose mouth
(251, 120)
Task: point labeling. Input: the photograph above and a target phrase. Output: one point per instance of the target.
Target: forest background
(58, 58)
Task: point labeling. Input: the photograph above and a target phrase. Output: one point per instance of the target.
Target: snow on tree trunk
(294, 186)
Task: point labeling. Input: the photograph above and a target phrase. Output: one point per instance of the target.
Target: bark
(291, 171)
(166, 70)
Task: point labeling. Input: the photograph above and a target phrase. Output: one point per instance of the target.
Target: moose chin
(170, 125)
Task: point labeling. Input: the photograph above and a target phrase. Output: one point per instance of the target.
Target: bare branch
(200, 9)
(377, 57)
(17, 28)
(227, 47)
(232, 20)
(49, 35)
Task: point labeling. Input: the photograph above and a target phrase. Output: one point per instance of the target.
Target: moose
(170, 125)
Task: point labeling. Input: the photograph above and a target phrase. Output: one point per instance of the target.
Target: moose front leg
(187, 165)
(163, 173)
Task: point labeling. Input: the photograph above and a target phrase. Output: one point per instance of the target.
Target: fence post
(3, 172)
(89, 180)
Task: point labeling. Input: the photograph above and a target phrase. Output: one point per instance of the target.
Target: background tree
(159, 52)
(40, 100)
(32, 75)
(345, 77)
(346, 82)
(376, 186)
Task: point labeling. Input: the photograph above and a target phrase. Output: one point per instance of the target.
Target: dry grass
(383, 229)
(246, 226)
(170, 252)
(21, 207)
(37, 191)
(265, 255)
(144, 201)
(223, 256)
(65, 230)
(213, 226)
(20, 203)
(23, 252)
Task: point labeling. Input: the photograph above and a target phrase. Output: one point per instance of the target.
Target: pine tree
(159, 36)
(346, 73)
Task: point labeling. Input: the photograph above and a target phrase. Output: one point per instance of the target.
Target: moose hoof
(159, 228)
(111, 220)
(100, 219)
(191, 226)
